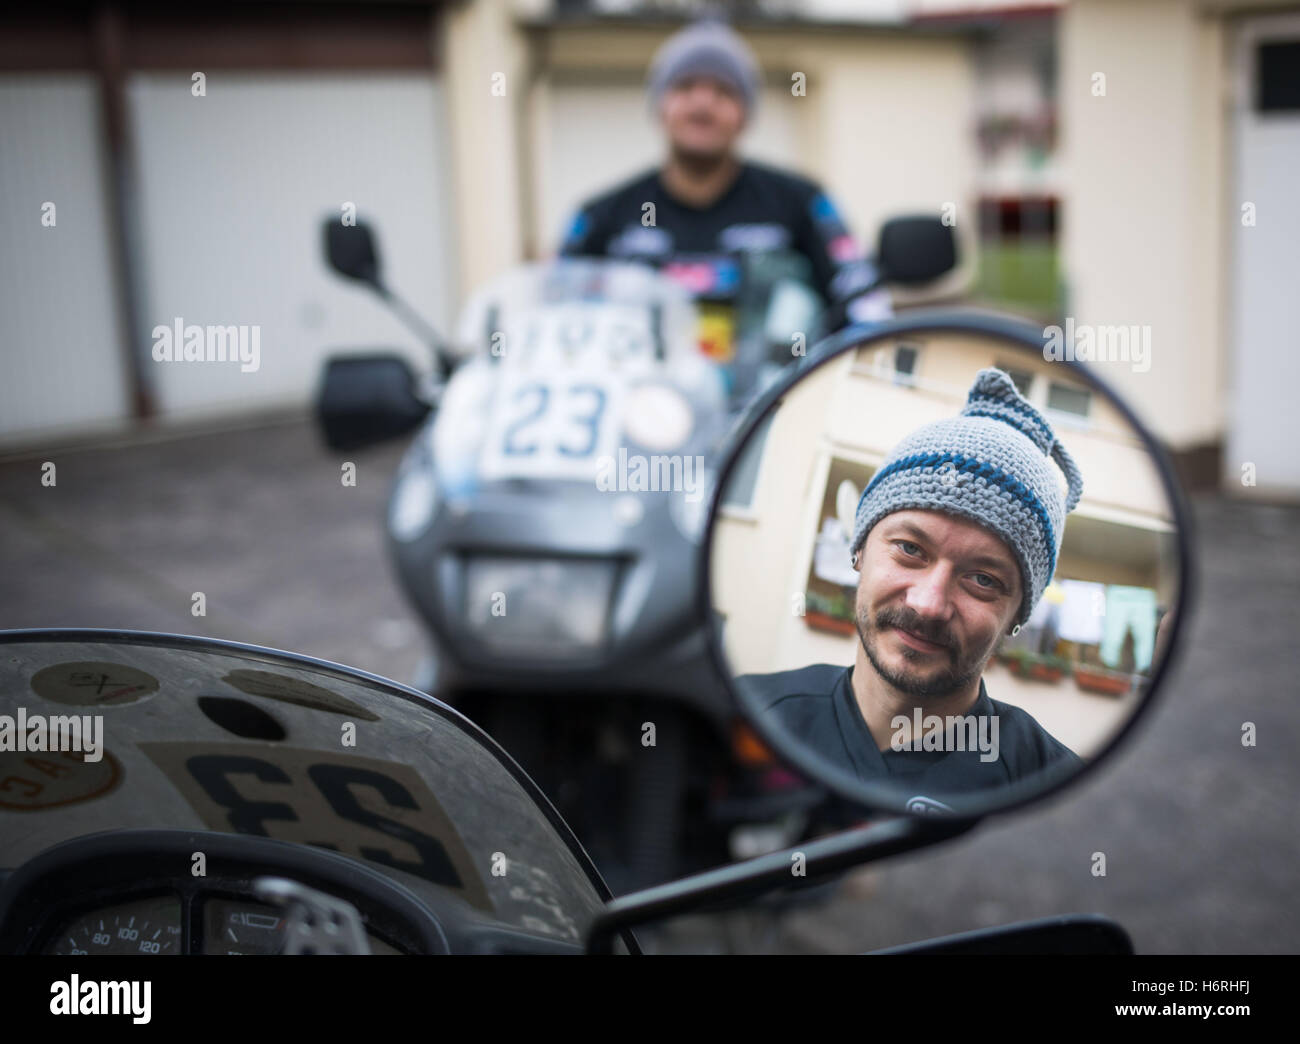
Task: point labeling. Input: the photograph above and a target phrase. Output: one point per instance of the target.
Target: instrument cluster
(161, 924)
(153, 892)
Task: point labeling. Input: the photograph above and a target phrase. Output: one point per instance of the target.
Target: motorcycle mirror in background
(915, 250)
(350, 250)
(1001, 604)
(365, 399)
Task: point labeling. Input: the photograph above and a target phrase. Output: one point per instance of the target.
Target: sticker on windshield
(717, 333)
(93, 684)
(296, 691)
(378, 812)
(30, 782)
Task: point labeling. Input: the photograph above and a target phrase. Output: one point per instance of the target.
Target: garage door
(1264, 423)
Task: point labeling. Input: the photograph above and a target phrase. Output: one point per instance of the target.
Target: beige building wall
(895, 125)
(486, 70)
(1143, 169)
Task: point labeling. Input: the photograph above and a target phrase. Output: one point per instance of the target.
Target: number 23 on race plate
(553, 425)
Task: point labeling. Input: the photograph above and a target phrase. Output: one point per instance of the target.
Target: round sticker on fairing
(34, 780)
(93, 684)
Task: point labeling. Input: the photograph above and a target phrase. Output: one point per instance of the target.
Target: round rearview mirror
(945, 567)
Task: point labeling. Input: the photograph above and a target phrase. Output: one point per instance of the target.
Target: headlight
(545, 608)
(415, 496)
(657, 417)
(690, 510)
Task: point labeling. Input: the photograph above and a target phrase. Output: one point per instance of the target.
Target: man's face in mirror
(935, 593)
(702, 117)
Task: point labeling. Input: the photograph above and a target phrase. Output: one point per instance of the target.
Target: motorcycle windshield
(103, 731)
(575, 306)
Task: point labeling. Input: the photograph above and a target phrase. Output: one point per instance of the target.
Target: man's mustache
(909, 621)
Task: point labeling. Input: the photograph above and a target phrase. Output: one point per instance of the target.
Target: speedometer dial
(149, 926)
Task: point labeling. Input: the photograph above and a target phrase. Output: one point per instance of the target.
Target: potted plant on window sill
(834, 615)
(1049, 668)
(1015, 661)
(1102, 680)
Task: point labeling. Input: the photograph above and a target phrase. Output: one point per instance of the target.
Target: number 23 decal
(583, 407)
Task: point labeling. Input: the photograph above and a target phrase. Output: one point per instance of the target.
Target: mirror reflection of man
(954, 540)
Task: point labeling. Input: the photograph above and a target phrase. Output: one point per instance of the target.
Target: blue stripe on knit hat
(980, 469)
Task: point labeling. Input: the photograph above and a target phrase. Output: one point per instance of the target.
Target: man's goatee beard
(943, 684)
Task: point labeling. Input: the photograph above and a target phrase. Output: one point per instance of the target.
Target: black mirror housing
(365, 399)
(916, 250)
(350, 250)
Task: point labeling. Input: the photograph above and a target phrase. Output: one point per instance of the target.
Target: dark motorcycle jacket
(764, 210)
(817, 706)
(767, 226)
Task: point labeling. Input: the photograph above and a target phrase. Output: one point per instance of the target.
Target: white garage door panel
(60, 346)
(1265, 424)
(234, 186)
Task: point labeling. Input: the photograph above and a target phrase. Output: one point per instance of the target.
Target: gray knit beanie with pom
(991, 464)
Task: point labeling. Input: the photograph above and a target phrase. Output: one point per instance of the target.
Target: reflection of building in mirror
(1077, 662)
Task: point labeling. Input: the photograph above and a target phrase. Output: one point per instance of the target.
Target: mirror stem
(754, 877)
(443, 360)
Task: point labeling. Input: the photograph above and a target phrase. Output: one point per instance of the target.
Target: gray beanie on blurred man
(706, 48)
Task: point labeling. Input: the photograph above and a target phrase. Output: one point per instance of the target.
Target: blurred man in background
(727, 229)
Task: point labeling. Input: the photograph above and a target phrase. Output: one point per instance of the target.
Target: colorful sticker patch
(705, 276)
(844, 249)
(716, 328)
